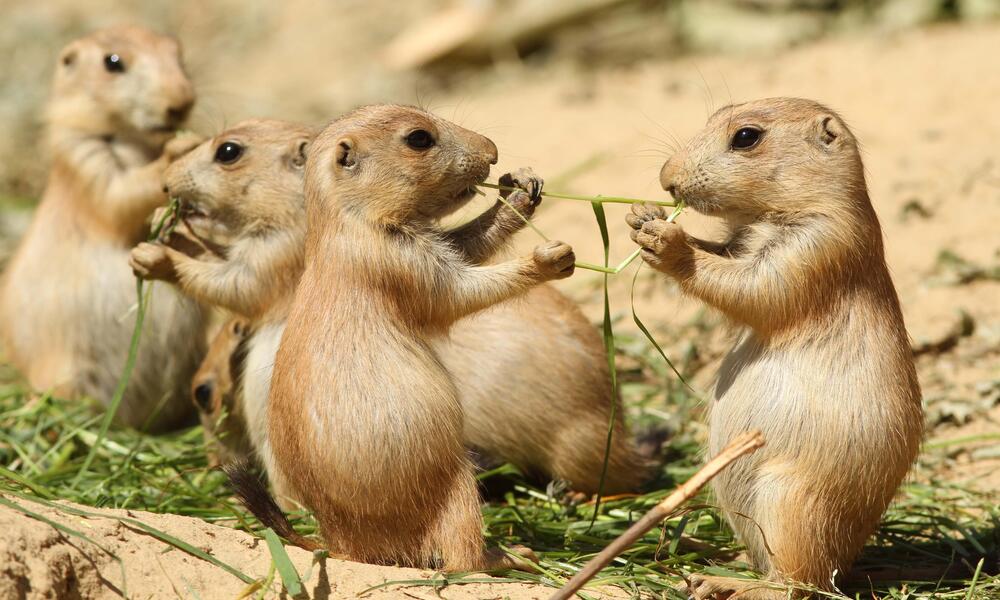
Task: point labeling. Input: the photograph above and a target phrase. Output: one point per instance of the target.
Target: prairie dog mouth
(192, 211)
(466, 194)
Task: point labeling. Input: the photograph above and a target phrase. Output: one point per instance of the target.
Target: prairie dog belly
(262, 347)
(819, 408)
(74, 303)
(170, 348)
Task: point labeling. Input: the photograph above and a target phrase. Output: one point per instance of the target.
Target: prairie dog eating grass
(364, 422)
(244, 188)
(823, 366)
(68, 295)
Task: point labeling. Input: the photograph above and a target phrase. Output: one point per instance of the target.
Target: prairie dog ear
(347, 153)
(297, 154)
(828, 131)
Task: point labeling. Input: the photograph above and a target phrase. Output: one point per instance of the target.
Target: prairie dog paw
(151, 261)
(660, 237)
(554, 260)
(643, 213)
(526, 182)
(524, 559)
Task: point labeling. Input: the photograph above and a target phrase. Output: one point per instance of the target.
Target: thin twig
(744, 444)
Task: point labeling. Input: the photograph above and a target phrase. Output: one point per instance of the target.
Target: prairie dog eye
(228, 152)
(114, 63)
(746, 138)
(419, 139)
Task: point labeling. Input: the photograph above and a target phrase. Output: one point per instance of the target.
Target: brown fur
(364, 421)
(214, 393)
(550, 420)
(66, 307)
(823, 366)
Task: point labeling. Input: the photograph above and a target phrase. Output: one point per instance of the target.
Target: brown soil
(38, 561)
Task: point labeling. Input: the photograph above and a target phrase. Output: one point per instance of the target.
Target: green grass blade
(31, 485)
(166, 225)
(289, 576)
(645, 331)
(116, 399)
(609, 348)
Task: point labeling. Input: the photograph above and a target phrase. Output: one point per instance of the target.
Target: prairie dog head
(213, 388)
(771, 156)
(245, 180)
(393, 164)
(124, 81)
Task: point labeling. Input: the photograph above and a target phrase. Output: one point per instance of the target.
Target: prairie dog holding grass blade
(68, 296)
(364, 423)
(823, 366)
(245, 186)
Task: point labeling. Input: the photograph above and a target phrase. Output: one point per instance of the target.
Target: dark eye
(203, 396)
(114, 63)
(746, 138)
(228, 153)
(419, 139)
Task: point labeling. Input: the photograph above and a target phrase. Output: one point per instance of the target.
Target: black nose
(203, 397)
(178, 114)
(672, 190)
(166, 189)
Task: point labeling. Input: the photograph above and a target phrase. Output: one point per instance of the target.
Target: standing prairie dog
(364, 422)
(68, 295)
(245, 186)
(823, 366)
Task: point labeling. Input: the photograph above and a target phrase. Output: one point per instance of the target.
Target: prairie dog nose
(178, 113)
(491, 151)
(668, 174)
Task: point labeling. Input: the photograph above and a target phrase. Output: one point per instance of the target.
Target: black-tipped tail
(253, 494)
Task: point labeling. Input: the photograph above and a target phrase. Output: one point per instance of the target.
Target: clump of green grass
(934, 525)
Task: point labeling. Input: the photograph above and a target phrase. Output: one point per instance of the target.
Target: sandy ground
(39, 561)
(923, 104)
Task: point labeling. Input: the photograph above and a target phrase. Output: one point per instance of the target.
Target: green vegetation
(934, 525)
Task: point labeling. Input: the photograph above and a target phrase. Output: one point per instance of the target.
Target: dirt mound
(38, 560)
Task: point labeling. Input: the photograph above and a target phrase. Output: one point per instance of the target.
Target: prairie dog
(245, 185)
(68, 295)
(214, 392)
(822, 366)
(355, 368)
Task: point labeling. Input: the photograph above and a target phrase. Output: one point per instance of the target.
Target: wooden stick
(743, 444)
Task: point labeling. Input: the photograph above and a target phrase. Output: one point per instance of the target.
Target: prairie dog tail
(253, 494)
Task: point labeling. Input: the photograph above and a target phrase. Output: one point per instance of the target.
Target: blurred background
(310, 60)
(595, 95)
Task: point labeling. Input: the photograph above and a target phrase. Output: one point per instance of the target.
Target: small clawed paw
(523, 179)
(659, 237)
(520, 202)
(522, 558)
(644, 213)
(149, 261)
(554, 260)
